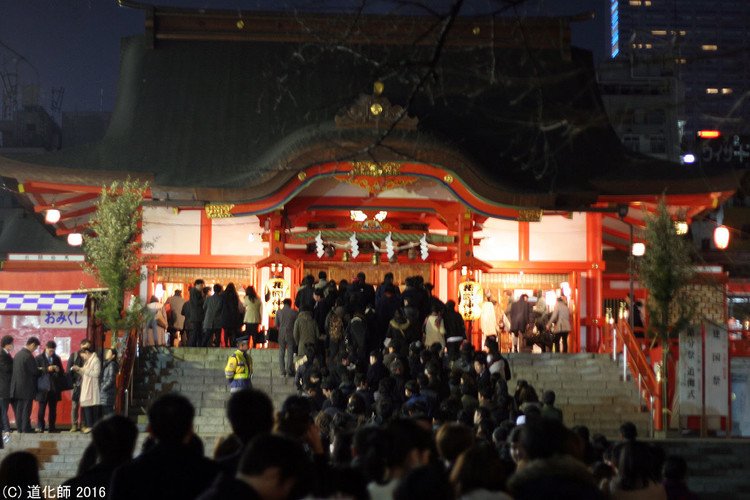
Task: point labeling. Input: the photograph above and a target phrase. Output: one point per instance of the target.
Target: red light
(709, 134)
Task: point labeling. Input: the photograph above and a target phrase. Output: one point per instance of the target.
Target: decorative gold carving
(217, 211)
(375, 169)
(374, 184)
(448, 179)
(529, 215)
(302, 176)
(375, 111)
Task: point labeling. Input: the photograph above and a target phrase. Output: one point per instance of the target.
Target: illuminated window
(683, 32)
(647, 3)
(726, 91)
(712, 90)
(648, 46)
(658, 32)
(709, 47)
(635, 3)
(680, 60)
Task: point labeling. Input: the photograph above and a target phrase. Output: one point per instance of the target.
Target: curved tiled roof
(235, 120)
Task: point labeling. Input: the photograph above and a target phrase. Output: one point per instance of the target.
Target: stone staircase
(589, 389)
(198, 373)
(717, 468)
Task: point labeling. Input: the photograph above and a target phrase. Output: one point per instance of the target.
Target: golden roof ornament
(375, 111)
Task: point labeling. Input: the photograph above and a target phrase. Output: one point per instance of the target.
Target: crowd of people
(26, 377)
(343, 452)
(393, 402)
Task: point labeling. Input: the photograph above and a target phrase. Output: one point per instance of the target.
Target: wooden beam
(81, 198)
(77, 213)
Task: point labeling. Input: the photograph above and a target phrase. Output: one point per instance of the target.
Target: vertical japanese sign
(717, 372)
(691, 371)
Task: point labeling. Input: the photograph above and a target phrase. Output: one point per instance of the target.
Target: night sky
(75, 43)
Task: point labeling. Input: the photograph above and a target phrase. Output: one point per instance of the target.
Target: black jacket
(25, 374)
(164, 472)
(6, 373)
(56, 378)
(76, 379)
(195, 308)
(108, 385)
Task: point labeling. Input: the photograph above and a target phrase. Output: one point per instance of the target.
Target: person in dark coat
(6, 374)
(272, 466)
(76, 379)
(194, 318)
(376, 371)
(108, 384)
(356, 333)
(51, 364)
(23, 384)
(170, 469)
(304, 297)
(250, 413)
(231, 320)
(113, 442)
(455, 329)
(361, 292)
(520, 316)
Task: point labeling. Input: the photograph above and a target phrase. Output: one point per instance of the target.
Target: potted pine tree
(114, 256)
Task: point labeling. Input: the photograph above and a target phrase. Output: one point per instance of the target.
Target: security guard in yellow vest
(239, 369)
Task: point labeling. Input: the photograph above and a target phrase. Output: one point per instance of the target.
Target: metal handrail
(639, 366)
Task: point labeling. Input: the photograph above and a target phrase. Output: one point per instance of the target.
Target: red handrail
(639, 366)
(125, 375)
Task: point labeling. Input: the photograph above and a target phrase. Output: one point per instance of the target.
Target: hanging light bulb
(681, 227)
(75, 239)
(721, 237)
(638, 249)
(51, 216)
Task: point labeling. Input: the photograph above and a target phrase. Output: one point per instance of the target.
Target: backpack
(335, 328)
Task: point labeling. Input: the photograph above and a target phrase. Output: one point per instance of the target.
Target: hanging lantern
(345, 257)
(638, 249)
(681, 227)
(276, 290)
(375, 259)
(721, 237)
(51, 216)
(75, 239)
(470, 300)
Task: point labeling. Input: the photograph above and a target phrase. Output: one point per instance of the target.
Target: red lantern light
(709, 134)
(721, 237)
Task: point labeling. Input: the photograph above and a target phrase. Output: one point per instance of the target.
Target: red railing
(125, 375)
(619, 339)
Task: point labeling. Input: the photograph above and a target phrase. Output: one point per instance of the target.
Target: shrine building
(277, 146)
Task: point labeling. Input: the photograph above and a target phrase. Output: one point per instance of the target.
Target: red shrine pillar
(594, 258)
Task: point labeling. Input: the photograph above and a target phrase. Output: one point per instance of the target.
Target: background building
(709, 44)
